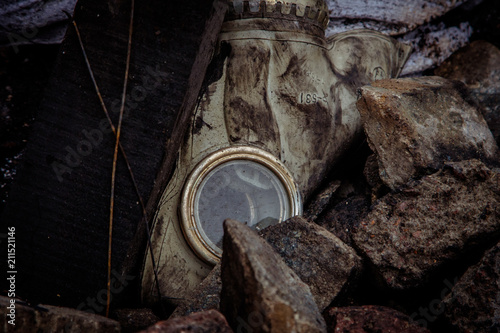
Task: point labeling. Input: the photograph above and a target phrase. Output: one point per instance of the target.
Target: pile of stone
(406, 240)
(409, 242)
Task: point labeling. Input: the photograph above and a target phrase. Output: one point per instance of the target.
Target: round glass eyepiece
(245, 184)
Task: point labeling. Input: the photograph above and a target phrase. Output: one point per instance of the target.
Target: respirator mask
(277, 110)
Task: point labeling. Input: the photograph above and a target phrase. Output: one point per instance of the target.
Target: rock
(432, 44)
(33, 21)
(418, 124)
(210, 321)
(48, 318)
(133, 320)
(420, 23)
(409, 234)
(372, 176)
(204, 297)
(368, 319)
(260, 293)
(319, 258)
(345, 216)
(321, 200)
(387, 16)
(326, 269)
(478, 66)
(474, 303)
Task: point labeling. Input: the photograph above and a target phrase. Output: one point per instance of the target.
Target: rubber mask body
(278, 86)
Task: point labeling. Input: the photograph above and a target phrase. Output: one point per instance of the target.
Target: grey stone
(210, 321)
(418, 23)
(417, 124)
(48, 318)
(259, 291)
(474, 303)
(321, 260)
(409, 234)
(478, 66)
(368, 319)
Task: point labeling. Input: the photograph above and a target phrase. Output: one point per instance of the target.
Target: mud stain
(248, 115)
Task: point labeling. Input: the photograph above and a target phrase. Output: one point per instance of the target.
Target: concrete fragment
(474, 303)
(418, 124)
(478, 66)
(369, 318)
(210, 321)
(409, 234)
(48, 318)
(259, 292)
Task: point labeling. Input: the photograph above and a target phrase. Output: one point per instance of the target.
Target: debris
(416, 125)
(259, 291)
(478, 66)
(210, 321)
(474, 302)
(369, 318)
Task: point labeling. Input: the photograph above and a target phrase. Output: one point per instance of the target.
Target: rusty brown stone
(368, 319)
(474, 303)
(415, 125)
(259, 291)
(409, 234)
(210, 321)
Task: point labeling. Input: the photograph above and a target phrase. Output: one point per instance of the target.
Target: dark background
(48, 100)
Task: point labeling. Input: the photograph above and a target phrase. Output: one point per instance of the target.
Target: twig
(115, 156)
(145, 218)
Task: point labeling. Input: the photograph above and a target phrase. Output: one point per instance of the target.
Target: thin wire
(141, 201)
(115, 156)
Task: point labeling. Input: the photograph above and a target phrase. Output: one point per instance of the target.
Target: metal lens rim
(193, 232)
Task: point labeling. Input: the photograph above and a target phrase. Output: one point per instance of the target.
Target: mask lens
(242, 190)
(242, 183)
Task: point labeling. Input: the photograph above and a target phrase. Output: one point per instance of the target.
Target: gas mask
(276, 112)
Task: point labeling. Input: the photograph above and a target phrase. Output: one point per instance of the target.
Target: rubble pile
(410, 242)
